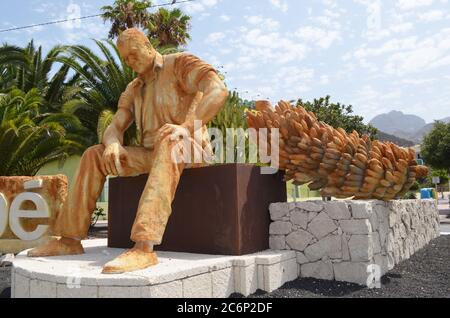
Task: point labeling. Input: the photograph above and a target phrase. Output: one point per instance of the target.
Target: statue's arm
(122, 120)
(197, 77)
(115, 131)
(214, 97)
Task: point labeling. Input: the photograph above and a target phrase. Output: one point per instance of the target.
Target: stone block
(42, 289)
(274, 257)
(312, 216)
(299, 240)
(337, 210)
(280, 228)
(246, 279)
(381, 210)
(199, 286)
(300, 218)
(168, 290)
(361, 248)
(406, 219)
(330, 246)
(310, 206)
(356, 226)
(223, 283)
(393, 218)
(278, 210)
(383, 231)
(301, 258)
(383, 262)
(345, 249)
(63, 291)
(119, 292)
(374, 222)
(321, 226)
(360, 209)
(21, 286)
(353, 272)
(277, 242)
(277, 275)
(376, 243)
(318, 270)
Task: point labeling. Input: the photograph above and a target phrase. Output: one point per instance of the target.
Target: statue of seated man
(169, 94)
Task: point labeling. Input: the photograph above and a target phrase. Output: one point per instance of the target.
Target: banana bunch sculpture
(340, 164)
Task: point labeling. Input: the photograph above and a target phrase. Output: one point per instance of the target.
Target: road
(444, 211)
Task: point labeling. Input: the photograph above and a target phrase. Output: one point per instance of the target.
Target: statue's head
(136, 50)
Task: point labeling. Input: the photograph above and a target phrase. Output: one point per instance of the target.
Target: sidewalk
(443, 204)
(444, 211)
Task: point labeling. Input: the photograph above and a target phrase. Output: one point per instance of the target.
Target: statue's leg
(155, 205)
(75, 219)
(88, 184)
(153, 212)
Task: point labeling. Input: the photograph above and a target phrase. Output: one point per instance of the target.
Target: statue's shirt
(167, 97)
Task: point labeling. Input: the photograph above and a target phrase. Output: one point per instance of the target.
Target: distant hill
(405, 127)
(382, 136)
(395, 122)
(426, 129)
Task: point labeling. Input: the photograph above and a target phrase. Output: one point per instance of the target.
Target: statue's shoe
(132, 260)
(57, 247)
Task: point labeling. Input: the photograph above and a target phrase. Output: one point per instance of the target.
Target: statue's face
(137, 56)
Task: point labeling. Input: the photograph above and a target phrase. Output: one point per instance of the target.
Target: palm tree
(30, 138)
(169, 28)
(11, 57)
(125, 14)
(28, 69)
(104, 79)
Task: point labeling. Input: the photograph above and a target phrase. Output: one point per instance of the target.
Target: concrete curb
(177, 275)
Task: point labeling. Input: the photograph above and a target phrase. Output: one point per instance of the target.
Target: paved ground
(445, 224)
(444, 204)
(425, 275)
(444, 211)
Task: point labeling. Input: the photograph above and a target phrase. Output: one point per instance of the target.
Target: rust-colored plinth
(219, 210)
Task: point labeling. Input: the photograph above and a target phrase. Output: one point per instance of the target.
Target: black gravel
(6, 293)
(426, 274)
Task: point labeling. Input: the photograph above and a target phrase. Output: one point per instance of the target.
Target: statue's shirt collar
(158, 64)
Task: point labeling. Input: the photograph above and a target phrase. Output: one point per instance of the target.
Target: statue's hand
(174, 131)
(113, 157)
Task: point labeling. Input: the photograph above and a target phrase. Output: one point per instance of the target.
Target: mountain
(427, 128)
(398, 123)
(382, 136)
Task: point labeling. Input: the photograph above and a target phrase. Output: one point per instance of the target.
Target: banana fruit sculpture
(340, 164)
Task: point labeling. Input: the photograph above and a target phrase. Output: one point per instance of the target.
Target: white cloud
(324, 79)
(199, 6)
(280, 4)
(432, 15)
(412, 4)
(402, 27)
(225, 17)
(215, 37)
(265, 23)
(317, 36)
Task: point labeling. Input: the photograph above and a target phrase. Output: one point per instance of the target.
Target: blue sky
(376, 55)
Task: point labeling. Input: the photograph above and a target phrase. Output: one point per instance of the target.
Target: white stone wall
(352, 241)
